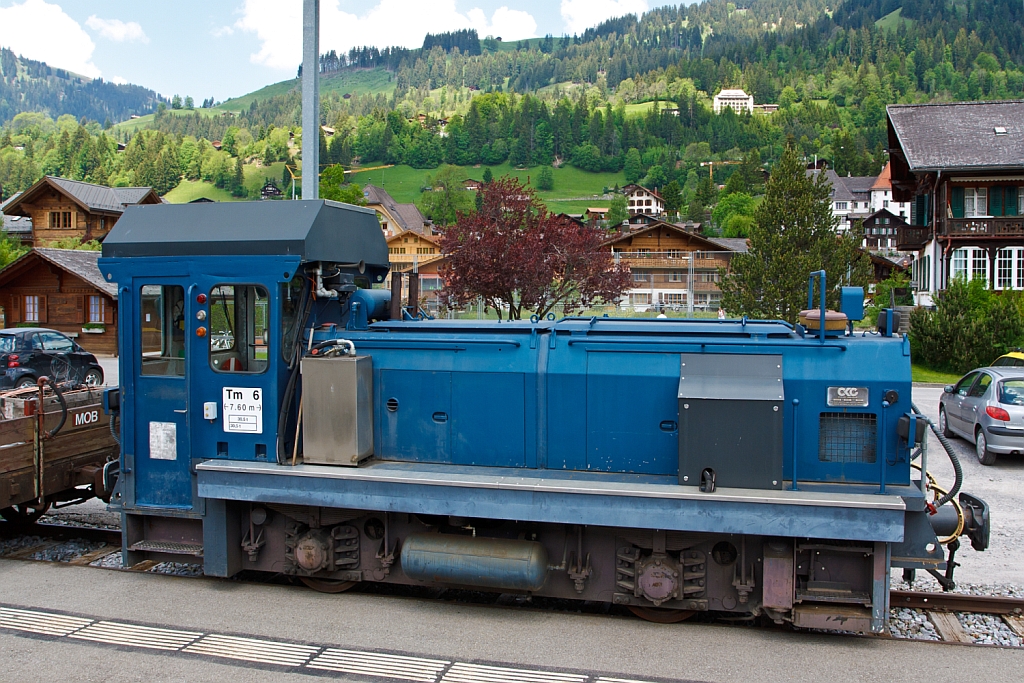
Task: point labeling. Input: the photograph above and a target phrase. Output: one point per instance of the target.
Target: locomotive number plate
(846, 397)
(243, 410)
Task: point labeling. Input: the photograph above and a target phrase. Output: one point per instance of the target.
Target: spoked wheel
(24, 514)
(327, 585)
(661, 616)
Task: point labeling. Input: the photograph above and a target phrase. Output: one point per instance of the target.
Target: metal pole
(310, 99)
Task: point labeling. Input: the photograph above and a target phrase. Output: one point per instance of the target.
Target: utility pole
(311, 99)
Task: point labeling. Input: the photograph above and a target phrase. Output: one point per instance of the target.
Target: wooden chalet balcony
(661, 260)
(911, 237)
(998, 227)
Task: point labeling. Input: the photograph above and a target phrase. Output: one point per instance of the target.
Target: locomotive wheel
(327, 585)
(24, 514)
(661, 616)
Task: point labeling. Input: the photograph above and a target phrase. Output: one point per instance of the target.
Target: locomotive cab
(276, 418)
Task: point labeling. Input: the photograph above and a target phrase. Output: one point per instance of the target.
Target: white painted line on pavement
(253, 650)
(379, 664)
(40, 622)
(478, 673)
(116, 633)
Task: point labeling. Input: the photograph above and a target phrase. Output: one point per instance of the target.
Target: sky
(226, 48)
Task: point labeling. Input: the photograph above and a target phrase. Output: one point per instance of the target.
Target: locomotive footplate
(568, 498)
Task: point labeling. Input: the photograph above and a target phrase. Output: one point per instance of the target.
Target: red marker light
(997, 413)
(12, 361)
(201, 299)
(200, 331)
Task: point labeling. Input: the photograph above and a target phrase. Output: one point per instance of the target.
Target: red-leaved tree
(515, 255)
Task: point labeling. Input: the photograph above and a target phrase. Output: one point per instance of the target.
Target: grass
(919, 373)
(189, 190)
(892, 20)
(574, 191)
(642, 108)
(353, 82)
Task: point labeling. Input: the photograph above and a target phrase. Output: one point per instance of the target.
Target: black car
(28, 353)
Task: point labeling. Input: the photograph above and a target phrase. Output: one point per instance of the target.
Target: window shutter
(956, 202)
(15, 312)
(1010, 207)
(920, 202)
(42, 309)
(108, 311)
(80, 309)
(995, 201)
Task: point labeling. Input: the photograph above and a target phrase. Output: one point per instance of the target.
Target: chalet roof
(960, 135)
(859, 184)
(17, 225)
(93, 198)
(629, 189)
(886, 213)
(840, 192)
(79, 262)
(738, 244)
(711, 244)
(408, 216)
(422, 235)
(884, 179)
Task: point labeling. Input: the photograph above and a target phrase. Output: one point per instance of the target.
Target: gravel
(986, 629)
(177, 569)
(911, 623)
(111, 561)
(13, 545)
(66, 551)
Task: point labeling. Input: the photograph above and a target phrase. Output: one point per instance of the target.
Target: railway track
(940, 608)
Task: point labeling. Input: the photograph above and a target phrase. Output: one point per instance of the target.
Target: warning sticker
(243, 410)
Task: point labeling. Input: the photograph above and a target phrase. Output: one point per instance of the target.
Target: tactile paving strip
(116, 633)
(379, 664)
(40, 622)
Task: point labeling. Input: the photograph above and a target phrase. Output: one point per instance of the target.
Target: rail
(982, 226)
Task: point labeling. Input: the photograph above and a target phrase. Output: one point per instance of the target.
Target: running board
(193, 549)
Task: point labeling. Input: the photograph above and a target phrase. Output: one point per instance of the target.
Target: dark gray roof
(316, 230)
(960, 135)
(839, 191)
(10, 200)
(732, 243)
(859, 184)
(408, 216)
(80, 262)
(100, 198)
(18, 225)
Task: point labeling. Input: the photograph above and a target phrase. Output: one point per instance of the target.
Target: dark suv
(27, 353)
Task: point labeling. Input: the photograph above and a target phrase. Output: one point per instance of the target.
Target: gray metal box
(730, 419)
(337, 410)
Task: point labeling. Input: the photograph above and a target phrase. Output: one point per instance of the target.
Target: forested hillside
(30, 86)
(631, 96)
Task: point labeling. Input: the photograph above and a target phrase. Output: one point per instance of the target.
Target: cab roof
(315, 230)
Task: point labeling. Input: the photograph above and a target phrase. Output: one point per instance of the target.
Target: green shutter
(995, 200)
(920, 202)
(1010, 207)
(956, 202)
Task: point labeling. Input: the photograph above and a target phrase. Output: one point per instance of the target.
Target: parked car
(987, 407)
(1014, 359)
(28, 353)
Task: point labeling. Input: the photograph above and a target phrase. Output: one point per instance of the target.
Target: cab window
(239, 328)
(56, 342)
(162, 326)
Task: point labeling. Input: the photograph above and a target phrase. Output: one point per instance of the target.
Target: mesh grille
(846, 437)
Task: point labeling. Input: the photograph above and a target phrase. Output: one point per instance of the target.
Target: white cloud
(38, 30)
(117, 30)
(579, 15)
(222, 31)
(117, 80)
(389, 23)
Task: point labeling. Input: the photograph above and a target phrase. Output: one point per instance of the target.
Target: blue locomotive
(280, 414)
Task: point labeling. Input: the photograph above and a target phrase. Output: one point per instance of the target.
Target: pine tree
(238, 179)
(488, 176)
(673, 197)
(793, 234)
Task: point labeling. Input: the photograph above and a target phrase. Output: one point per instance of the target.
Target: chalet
(19, 228)
(673, 268)
(62, 289)
(961, 166)
(395, 218)
(470, 184)
(595, 213)
(431, 282)
(880, 230)
(881, 195)
(642, 200)
(270, 190)
(412, 248)
(61, 208)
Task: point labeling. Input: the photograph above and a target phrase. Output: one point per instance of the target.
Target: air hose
(63, 408)
(948, 447)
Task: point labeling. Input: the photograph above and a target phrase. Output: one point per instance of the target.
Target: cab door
(162, 455)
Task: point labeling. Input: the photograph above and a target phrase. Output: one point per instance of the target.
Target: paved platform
(542, 646)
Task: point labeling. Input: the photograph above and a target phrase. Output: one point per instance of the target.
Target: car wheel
(93, 378)
(25, 383)
(985, 456)
(944, 425)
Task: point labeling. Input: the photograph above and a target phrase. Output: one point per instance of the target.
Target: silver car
(987, 407)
